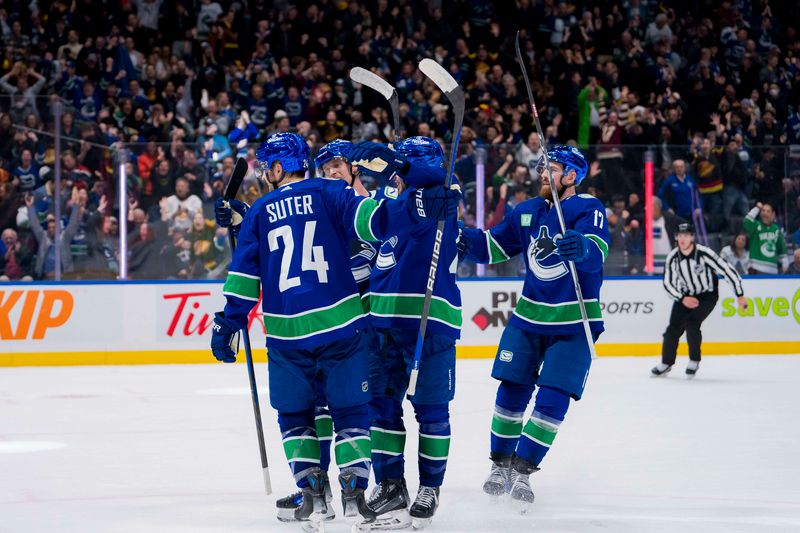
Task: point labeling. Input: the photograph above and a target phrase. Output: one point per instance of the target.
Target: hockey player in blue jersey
(293, 248)
(544, 343)
(397, 288)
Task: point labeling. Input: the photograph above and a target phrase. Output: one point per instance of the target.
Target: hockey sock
(509, 410)
(352, 446)
(540, 430)
(388, 439)
(434, 442)
(324, 426)
(300, 444)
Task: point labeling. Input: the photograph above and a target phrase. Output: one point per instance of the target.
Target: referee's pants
(689, 320)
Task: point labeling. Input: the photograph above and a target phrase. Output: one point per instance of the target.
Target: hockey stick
(556, 202)
(455, 95)
(376, 83)
(239, 172)
(699, 220)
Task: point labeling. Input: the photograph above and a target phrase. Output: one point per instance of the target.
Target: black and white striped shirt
(697, 273)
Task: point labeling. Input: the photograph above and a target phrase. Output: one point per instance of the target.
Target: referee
(690, 277)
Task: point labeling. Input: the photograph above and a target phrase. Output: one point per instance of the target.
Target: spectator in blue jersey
(87, 101)
(545, 343)
(294, 104)
(320, 216)
(678, 192)
(27, 171)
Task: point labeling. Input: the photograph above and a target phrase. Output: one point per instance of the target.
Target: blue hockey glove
(436, 203)
(229, 214)
(224, 339)
(463, 243)
(378, 160)
(573, 246)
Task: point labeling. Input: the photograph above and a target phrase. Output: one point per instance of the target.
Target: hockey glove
(573, 246)
(229, 214)
(224, 339)
(463, 243)
(436, 203)
(379, 161)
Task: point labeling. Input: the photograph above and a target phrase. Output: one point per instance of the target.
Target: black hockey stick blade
(522, 67)
(239, 172)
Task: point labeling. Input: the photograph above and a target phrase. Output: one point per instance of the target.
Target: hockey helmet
(422, 150)
(571, 158)
(288, 148)
(337, 148)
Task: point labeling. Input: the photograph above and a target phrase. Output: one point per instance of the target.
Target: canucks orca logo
(386, 259)
(540, 250)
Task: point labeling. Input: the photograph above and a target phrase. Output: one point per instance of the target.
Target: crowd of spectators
(711, 87)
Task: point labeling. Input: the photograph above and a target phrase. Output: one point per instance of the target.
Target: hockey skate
(660, 370)
(389, 501)
(497, 483)
(425, 505)
(521, 491)
(313, 510)
(289, 504)
(692, 368)
(356, 511)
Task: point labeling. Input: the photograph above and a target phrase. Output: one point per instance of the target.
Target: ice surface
(173, 448)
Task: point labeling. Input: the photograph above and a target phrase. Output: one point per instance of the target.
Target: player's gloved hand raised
(378, 160)
(463, 244)
(573, 246)
(435, 203)
(224, 339)
(229, 213)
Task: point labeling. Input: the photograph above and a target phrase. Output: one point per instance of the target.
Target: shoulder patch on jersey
(525, 220)
(390, 192)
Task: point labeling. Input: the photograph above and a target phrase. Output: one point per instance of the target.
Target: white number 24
(598, 218)
(313, 257)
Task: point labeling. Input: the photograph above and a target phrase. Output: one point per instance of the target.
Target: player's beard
(544, 191)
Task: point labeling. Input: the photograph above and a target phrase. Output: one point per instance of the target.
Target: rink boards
(83, 323)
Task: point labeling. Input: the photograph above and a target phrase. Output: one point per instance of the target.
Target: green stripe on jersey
(363, 220)
(434, 447)
(315, 321)
(503, 427)
(389, 442)
(544, 436)
(352, 450)
(304, 448)
(496, 252)
(565, 313)
(242, 285)
(600, 244)
(410, 306)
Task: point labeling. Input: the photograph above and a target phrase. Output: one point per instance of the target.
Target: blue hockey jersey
(548, 304)
(399, 278)
(294, 245)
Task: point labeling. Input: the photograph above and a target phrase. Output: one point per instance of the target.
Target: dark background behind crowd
(176, 90)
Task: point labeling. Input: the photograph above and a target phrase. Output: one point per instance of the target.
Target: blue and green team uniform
(396, 294)
(291, 245)
(544, 343)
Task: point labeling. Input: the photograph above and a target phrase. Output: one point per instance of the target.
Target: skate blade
(420, 523)
(397, 519)
(521, 506)
(690, 376)
(313, 526)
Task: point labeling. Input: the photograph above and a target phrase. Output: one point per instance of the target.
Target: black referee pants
(689, 320)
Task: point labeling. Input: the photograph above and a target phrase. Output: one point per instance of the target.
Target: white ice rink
(173, 448)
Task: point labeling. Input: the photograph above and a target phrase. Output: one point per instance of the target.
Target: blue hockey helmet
(571, 158)
(337, 148)
(288, 148)
(421, 150)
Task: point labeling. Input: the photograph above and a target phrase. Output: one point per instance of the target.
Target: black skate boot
(660, 370)
(692, 368)
(521, 491)
(287, 505)
(497, 483)
(356, 511)
(389, 501)
(313, 508)
(425, 505)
